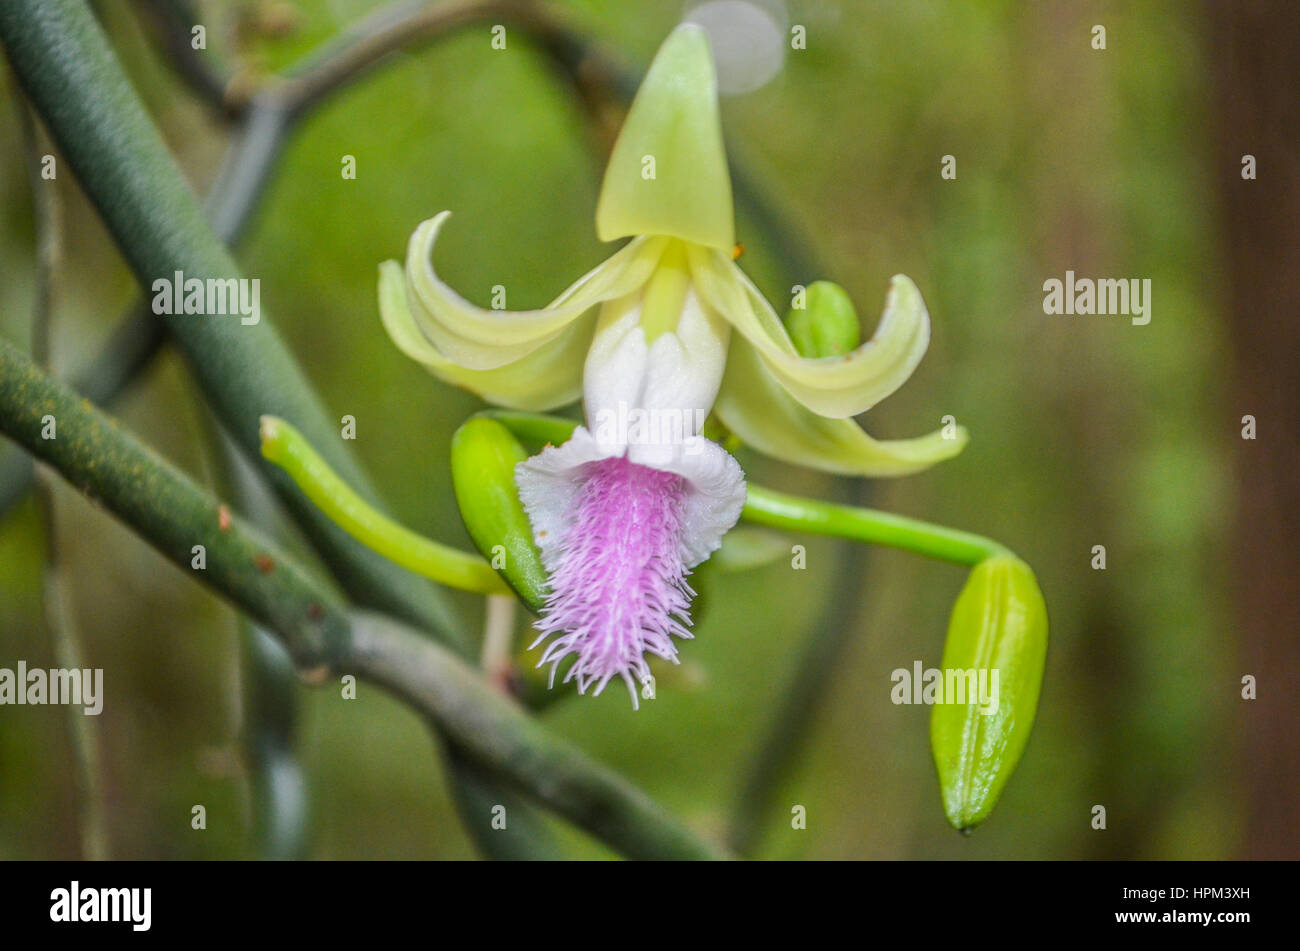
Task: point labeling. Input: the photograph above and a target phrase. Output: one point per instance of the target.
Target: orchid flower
(663, 333)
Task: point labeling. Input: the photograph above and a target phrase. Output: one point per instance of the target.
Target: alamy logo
(1105, 296)
(84, 687)
(952, 685)
(214, 296)
(634, 426)
(75, 903)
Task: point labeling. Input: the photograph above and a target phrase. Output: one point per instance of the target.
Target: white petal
(614, 375)
(686, 366)
(653, 397)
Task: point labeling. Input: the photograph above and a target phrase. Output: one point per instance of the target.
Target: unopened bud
(483, 458)
(827, 325)
(999, 624)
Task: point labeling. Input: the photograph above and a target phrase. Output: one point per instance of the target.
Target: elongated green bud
(827, 325)
(287, 448)
(483, 458)
(998, 631)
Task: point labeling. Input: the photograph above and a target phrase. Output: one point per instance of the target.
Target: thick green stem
(66, 65)
(160, 503)
(517, 746)
(174, 515)
(65, 62)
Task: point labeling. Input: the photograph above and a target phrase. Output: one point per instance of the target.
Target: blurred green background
(1085, 430)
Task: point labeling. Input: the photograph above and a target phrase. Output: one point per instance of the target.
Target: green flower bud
(998, 625)
(483, 458)
(827, 325)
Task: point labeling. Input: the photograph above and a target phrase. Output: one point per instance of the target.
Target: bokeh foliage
(1085, 430)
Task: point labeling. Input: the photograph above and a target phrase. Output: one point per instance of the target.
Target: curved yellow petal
(481, 339)
(837, 386)
(756, 407)
(548, 377)
(668, 171)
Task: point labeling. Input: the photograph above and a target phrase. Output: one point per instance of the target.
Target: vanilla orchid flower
(663, 333)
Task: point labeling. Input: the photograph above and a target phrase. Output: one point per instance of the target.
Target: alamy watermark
(57, 685)
(1127, 297)
(75, 903)
(635, 426)
(951, 685)
(213, 296)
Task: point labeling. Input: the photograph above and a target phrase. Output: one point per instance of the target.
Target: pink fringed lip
(618, 587)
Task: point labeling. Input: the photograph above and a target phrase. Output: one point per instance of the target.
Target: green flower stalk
(283, 445)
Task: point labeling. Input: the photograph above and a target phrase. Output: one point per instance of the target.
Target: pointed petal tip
(756, 407)
(688, 40)
(668, 172)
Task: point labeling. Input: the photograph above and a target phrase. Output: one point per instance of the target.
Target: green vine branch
(269, 585)
(66, 66)
(64, 62)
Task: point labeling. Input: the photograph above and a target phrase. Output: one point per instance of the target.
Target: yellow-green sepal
(999, 623)
(668, 172)
(483, 458)
(754, 406)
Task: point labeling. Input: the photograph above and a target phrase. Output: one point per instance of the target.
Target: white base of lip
(549, 482)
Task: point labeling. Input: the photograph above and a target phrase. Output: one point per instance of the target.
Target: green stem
(268, 584)
(517, 746)
(279, 794)
(277, 783)
(286, 447)
(534, 429)
(169, 511)
(797, 514)
(66, 64)
(120, 360)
